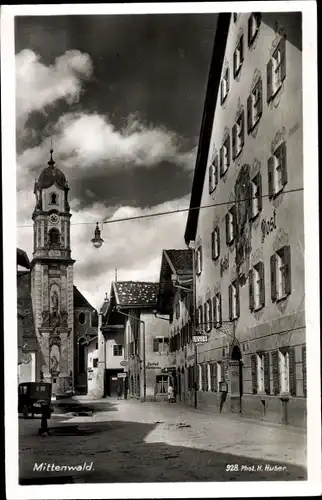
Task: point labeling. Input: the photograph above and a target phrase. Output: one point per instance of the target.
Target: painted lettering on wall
(152, 365)
(224, 264)
(268, 225)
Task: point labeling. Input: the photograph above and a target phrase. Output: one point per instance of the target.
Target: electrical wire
(168, 212)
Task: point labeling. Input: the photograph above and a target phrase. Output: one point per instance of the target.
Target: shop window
(162, 382)
(117, 350)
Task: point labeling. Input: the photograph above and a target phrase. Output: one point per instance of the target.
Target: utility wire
(158, 214)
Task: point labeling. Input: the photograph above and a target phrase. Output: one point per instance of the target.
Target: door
(114, 383)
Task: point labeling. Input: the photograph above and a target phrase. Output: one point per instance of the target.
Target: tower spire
(51, 161)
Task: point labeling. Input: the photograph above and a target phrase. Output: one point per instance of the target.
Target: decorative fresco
(243, 226)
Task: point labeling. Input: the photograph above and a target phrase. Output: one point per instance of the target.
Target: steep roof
(136, 293)
(79, 299)
(177, 262)
(207, 123)
(22, 258)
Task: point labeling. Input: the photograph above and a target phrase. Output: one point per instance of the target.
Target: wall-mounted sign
(268, 225)
(123, 363)
(200, 339)
(121, 375)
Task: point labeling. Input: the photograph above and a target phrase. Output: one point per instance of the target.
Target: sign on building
(200, 339)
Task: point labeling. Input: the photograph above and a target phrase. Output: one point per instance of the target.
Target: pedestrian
(119, 392)
(170, 393)
(224, 391)
(125, 387)
(45, 415)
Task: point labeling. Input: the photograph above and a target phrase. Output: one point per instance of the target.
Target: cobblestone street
(129, 441)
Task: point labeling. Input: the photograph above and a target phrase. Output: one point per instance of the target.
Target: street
(128, 441)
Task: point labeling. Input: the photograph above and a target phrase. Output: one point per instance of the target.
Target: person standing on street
(224, 391)
(45, 414)
(170, 393)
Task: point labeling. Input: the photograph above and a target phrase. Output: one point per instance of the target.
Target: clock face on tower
(54, 218)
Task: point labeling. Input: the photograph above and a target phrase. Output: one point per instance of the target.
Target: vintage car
(32, 396)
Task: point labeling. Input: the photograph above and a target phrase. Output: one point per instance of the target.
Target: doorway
(236, 378)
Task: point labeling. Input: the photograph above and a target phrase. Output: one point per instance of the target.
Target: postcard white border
(312, 304)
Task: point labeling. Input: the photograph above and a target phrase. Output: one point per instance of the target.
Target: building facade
(86, 329)
(176, 301)
(28, 347)
(249, 247)
(145, 359)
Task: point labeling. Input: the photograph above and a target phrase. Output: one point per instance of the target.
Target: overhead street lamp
(97, 240)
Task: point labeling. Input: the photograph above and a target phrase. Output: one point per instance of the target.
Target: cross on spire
(51, 161)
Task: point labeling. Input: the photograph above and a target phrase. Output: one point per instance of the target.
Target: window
(208, 315)
(199, 260)
(54, 236)
(219, 374)
(215, 243)
(257, 287)
(213, 385)
(281, 285)
(162, 382)
(95, 362)
(260, 373)
(81, 318)
(178, 309)
(284, 372)
(199, 378)
(255, 105)
(238, 56)
(254, 22)
(238, 135)
(276, 70)
(161, 345)
(117, 350)
(233, 292)
(255, 195)
(224, 86)
(204, 377)
(225, 156)
(200, 318)
(53, 198)
(213, 174)
(217, 309)
(277, 172)
(304, 369)
(231, 225)
(96, 345)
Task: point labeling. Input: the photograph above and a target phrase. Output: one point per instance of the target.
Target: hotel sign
(200, 339)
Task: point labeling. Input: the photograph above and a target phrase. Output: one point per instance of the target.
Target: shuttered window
(238, 56)
(213, 377)
(215, 243)
(253, 360)
(254, 22)
(292, 371)
(266, 374)
(204, 371)
(281, 283)
(257, 287)
(275, 370)
(255, 106)
(276, 70)
(304, 369)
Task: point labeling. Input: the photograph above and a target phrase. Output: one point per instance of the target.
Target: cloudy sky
(121, 97)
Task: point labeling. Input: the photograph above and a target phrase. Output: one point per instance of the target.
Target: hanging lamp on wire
(97, 240)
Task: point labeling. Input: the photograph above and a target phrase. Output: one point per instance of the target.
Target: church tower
(52, 279)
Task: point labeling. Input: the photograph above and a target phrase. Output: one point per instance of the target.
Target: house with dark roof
(136, 341)
(85, 334)
(28, 347)
(175, 300)
(249, 235)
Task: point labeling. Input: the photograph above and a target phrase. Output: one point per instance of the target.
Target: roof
(207, 123)
(22, 259)
(79, 299)
(136, 293)
(177, 262)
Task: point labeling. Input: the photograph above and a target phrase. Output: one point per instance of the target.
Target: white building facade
(249, 246)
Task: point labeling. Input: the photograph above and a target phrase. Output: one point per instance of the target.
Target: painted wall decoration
(243, 226)
(224, 264)
(268, 225)
(54, 359)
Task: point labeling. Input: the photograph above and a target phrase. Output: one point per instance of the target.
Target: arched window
(54, 236)
(81, 318)
(53, 198)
